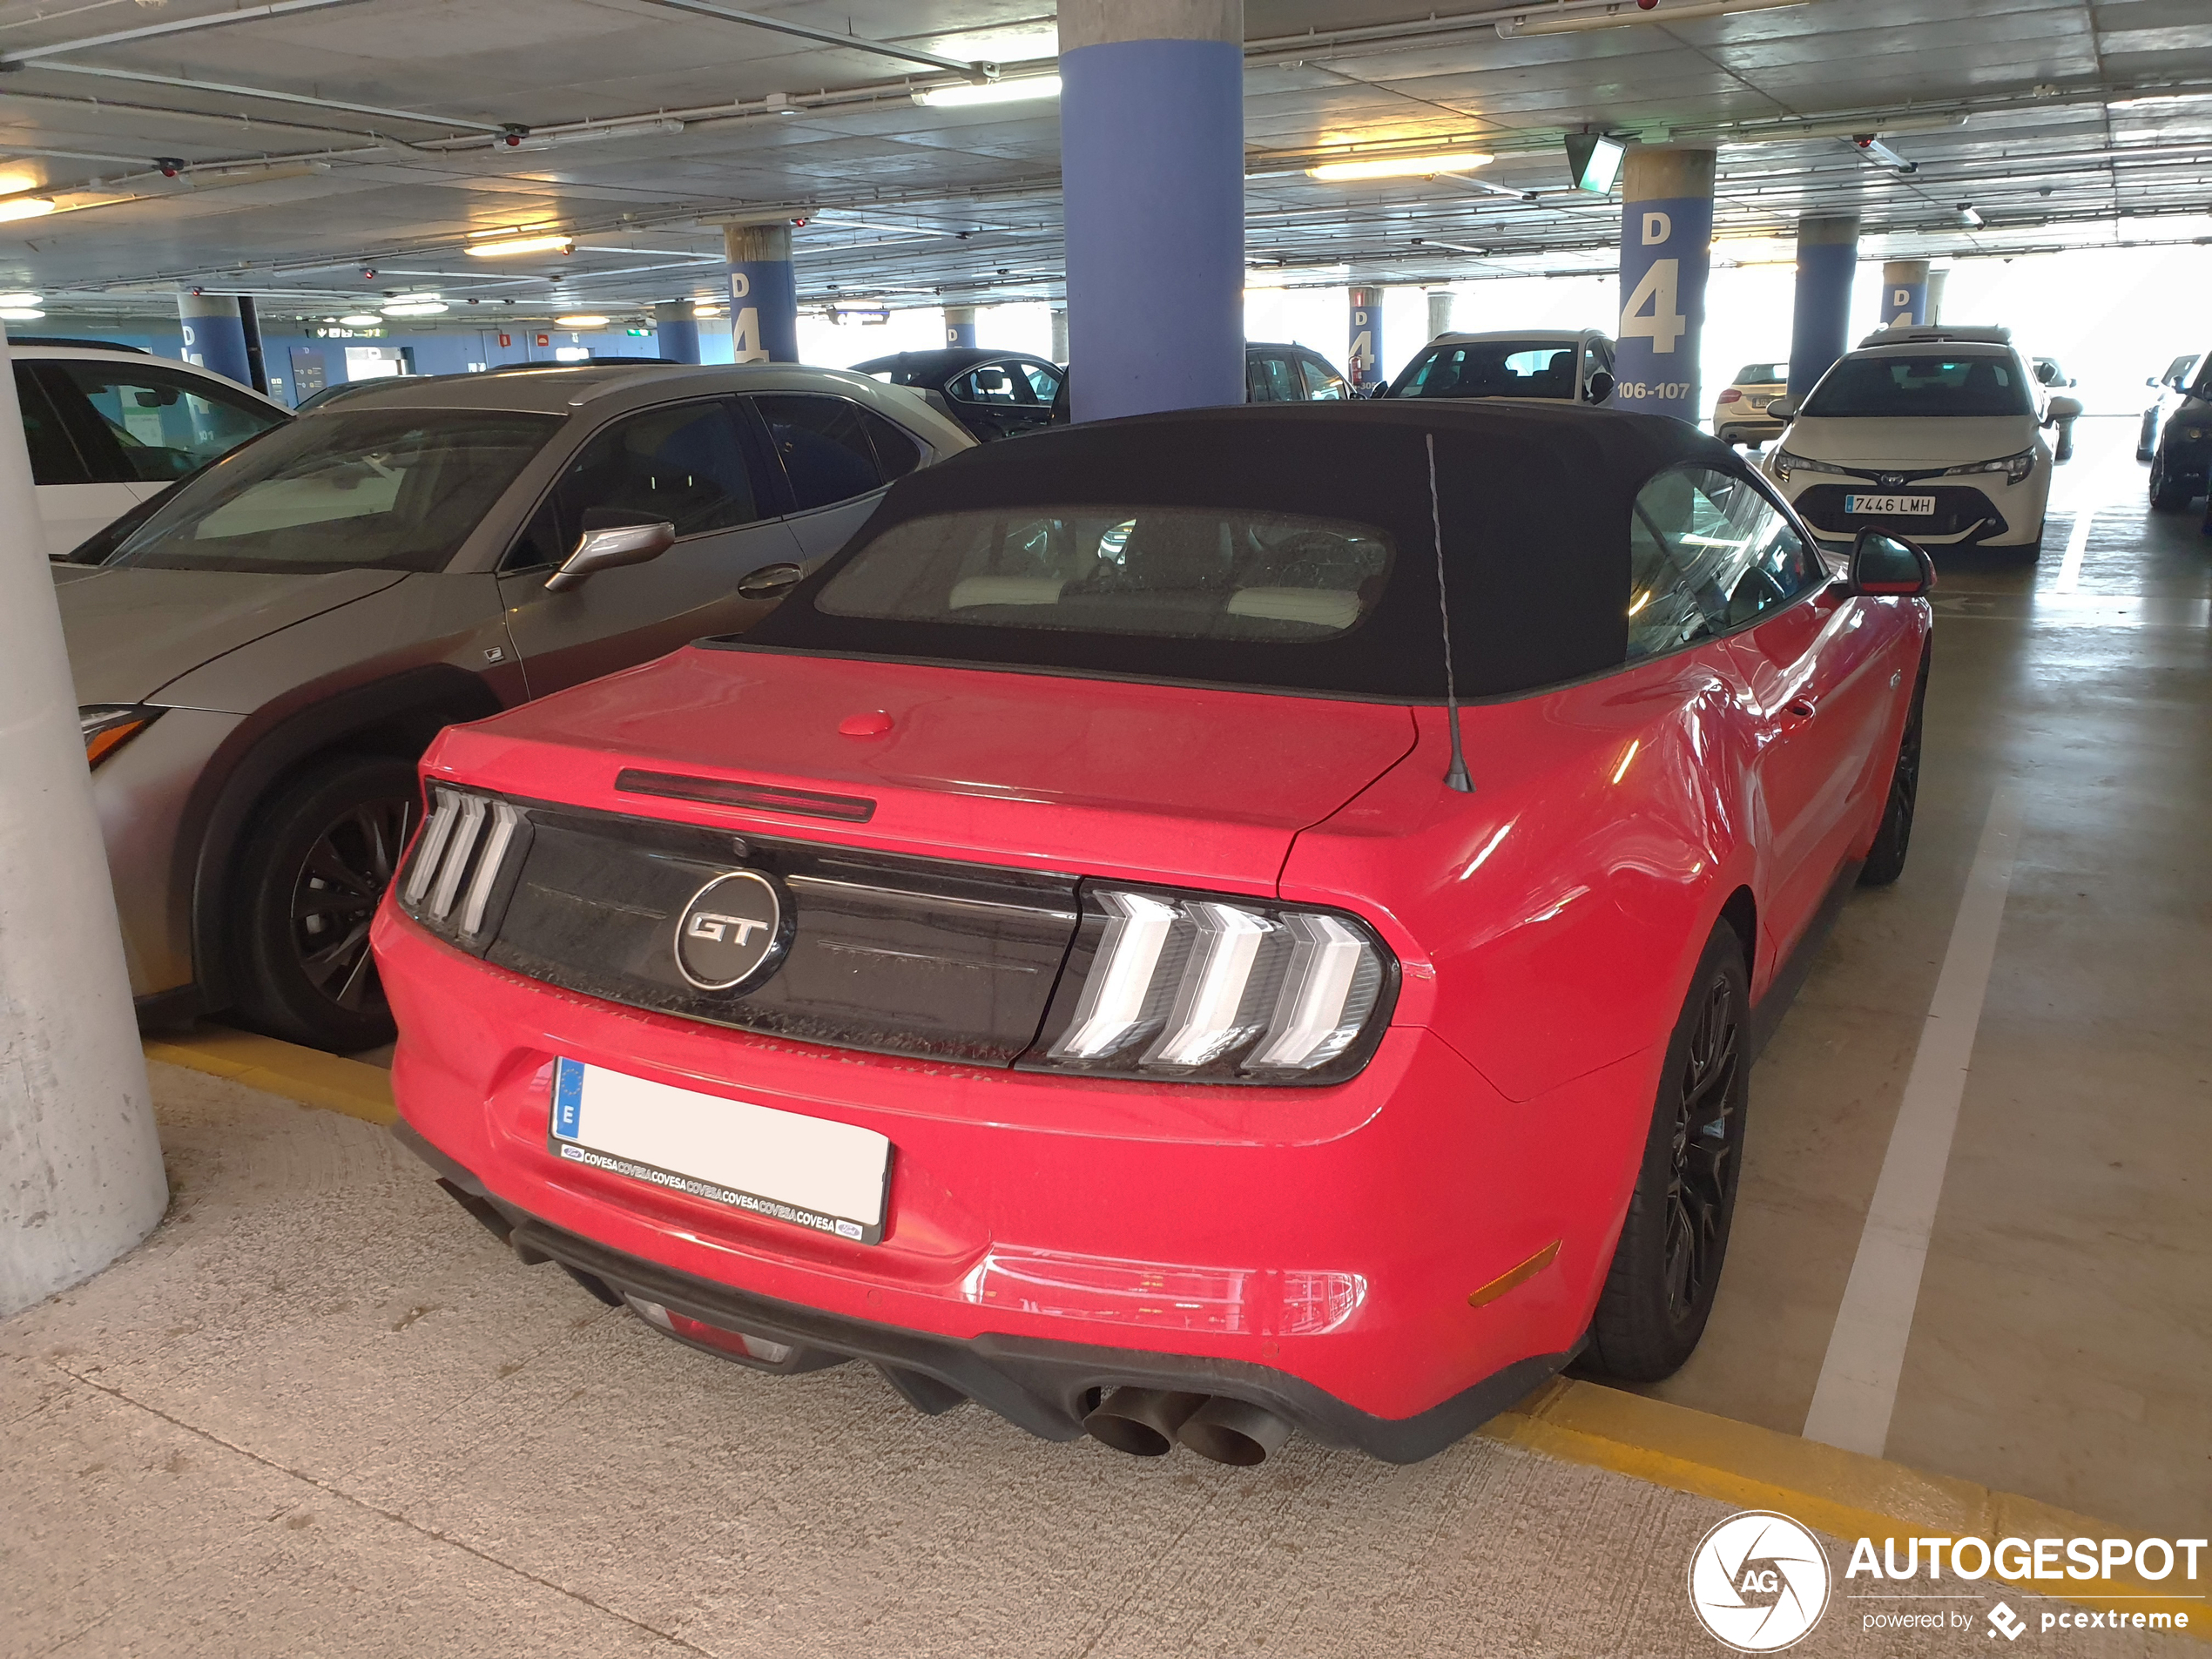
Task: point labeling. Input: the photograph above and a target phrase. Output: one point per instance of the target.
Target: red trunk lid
(1175, 784)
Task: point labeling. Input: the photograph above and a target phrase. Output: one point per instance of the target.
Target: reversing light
(1211, 989)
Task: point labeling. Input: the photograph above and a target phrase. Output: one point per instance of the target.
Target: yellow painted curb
(308, 1076)
(1846, 1494)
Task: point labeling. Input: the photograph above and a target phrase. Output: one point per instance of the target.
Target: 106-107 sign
(1655, 388)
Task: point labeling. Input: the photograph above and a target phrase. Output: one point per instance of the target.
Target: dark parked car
(2180, 461)
(1275, 372)
(993, 394)
(2172, 388)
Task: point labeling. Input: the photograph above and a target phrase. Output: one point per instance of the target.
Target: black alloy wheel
(1886, 858)
(329, 845)
(1666, 1269)
(2165, 496)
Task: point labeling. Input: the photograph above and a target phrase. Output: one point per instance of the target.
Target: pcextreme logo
(1758, 1581)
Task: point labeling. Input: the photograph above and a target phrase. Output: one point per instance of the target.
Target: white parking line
(2077, 543)
(1856, 1392)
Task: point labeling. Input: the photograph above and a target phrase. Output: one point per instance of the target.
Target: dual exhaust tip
(1150, 1422)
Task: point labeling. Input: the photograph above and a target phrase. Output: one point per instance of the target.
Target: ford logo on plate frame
(734, 933)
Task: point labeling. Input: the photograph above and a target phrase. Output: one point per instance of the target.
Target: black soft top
(1535, 507)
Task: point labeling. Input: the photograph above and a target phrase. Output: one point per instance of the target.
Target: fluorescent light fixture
(415, 308)
(14, 184)
(1449, 247)
(26, 206)
(588, 135)
(1968, 220)
(581, 319)
(1886, 156)
(19, 300)
(361, 320)
(1401, 166)
(506, 246)
(1540, 20)
(20, 314)
(1011, 92)
(1593, 161)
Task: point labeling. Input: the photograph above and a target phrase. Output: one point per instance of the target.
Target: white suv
(108, 426)
(1931, 432)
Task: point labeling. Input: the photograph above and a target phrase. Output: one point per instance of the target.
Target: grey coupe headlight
(1785, 463)
(2015, 468)
(1192, 988)
(107, 726)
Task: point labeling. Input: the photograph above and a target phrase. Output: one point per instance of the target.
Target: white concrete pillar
(1060, 333)
(1440, 311)
(80, 1167)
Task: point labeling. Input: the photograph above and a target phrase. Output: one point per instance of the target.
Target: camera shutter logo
(732, 933)
(1758, 1582)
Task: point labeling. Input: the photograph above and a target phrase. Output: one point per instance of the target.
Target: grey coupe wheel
(1666, 1267)
(311, 878)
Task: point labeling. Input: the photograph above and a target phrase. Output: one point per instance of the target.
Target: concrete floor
(2063, 1334)
(321, 1412)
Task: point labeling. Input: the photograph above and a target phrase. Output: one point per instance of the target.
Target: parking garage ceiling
(288, 150)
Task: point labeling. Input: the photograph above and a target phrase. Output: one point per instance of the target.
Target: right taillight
(1205, 988)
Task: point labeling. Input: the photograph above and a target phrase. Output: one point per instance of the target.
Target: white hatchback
(1930, 433)
(107, 427)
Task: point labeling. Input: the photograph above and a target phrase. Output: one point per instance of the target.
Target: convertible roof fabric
(1536, 505)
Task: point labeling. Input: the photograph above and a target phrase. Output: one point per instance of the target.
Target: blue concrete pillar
(1820, 328)
(1152, 176)
(676, 331)
(1363, 342)
(1904, 293)
(960, 325)
(1666, 255)
(764, 294)
(214, 335)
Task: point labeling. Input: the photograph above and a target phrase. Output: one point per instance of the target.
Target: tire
(1885, 860)
(1666, 1269)
(328, 844)
(2165, 497)
(2146, 436)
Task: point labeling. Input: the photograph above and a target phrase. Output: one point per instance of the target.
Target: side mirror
(1379, 388)
(1600, 387)
(2062, 409)
(1783, 409)
(1886, 564)
(603, 546)
(769, 582)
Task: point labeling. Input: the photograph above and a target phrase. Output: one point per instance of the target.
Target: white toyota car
(1932, 433)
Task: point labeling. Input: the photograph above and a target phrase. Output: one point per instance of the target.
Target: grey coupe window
(386, 490)
(1492, 369)
(1707, 553)
(681, 463)
(1172, 572)
(1890, 386)
(825, 446)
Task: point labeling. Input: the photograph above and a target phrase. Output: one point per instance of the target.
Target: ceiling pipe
(273, 95)
(977, 72)
(215, 20)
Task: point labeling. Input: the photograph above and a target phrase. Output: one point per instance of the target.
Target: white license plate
(1919, 506)
(1759, 401)
(831, 1177)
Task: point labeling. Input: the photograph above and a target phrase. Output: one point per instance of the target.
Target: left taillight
(1196, 988)
(462, 868)
(107, 727)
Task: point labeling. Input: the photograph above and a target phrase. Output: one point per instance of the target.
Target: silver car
(261, 661)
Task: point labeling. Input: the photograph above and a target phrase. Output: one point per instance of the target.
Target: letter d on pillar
(1904, 293)
(1667, 226)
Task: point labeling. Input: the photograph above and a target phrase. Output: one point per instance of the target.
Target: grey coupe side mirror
(602, 547)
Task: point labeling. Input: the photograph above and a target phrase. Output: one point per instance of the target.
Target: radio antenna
(1455, 776)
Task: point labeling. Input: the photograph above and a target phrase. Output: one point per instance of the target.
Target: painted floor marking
(2077, 543)
(1856, 1392)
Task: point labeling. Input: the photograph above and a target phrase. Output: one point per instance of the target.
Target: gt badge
(732, 933)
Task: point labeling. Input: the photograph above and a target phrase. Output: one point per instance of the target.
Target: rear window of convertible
(1166, 572)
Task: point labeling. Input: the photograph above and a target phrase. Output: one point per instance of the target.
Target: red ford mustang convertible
(1064, 959)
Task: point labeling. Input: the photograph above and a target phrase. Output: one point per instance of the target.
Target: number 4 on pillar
(1653, 308)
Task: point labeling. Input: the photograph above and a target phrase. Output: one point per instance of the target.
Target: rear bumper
(1310, 1249)
(1044, 1386)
